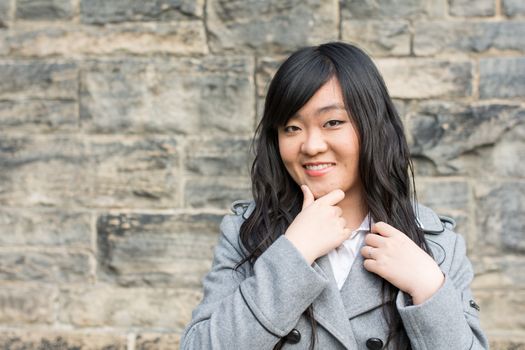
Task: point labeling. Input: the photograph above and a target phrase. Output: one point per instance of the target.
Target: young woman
(334, 252)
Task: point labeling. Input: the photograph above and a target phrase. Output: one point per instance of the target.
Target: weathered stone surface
(135, 172)
(178, 38)
(33, 79)
(442, 131)
(383, 8)
(265, 70)
(101, 11)
(270, 26)
(127, 307)
(188, 96)
(20, 304)
(44, 9)
(426, 78)
(38, 170)
(5, 12)
(156, 249)
(219, 192)
(30, 227)
(150, 341)
(39, 115)
(217, 157)
(61, 340)
(501, 310)
(500, 209)
(468, 8)
(506, 344)
(52, 267)
(436, 37)
(502, 77)
(444, 194)
(513, 7)
(498, 272)
(379, 38)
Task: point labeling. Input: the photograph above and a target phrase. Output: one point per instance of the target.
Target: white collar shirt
(342, 257)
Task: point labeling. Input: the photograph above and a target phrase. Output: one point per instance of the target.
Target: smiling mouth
(318, 166)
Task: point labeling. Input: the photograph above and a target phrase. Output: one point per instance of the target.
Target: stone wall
(125, 128)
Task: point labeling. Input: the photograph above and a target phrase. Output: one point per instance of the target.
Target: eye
(333, 123)
(290, 129)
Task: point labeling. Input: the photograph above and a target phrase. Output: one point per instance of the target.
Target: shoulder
(231, 224)
(441, 238)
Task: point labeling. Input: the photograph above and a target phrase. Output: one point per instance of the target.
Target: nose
(314, 143)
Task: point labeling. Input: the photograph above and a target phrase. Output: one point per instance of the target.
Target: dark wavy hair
(385, 168)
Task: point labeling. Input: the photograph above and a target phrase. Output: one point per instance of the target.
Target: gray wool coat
(253, 308)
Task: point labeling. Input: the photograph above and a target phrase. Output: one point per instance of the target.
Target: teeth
(317, 167)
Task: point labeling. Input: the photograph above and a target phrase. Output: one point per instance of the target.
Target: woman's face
(319, 146)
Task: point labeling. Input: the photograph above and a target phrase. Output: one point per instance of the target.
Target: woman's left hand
(392, 255)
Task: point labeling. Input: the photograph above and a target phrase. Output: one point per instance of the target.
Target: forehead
(329, 98)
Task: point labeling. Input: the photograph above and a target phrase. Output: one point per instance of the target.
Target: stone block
(50, 267)
(102, 12)
(61, 340)
(219, 157)
(358, 9)
(437, 37)
(264, 26)
(448, 134)
(44, 9)
(498, 272)
(134, 172)
(501, 310)
(162, 341)
(500, 208)
(156, 249)
(450, 195)
(101, 306)
(377, 37)
(265, 70)
(48, 227)
(218, 192)
(43, 40)
(39, 115)
(419, 78)
(506, 344)
(513, 8)
(43, 170)
(502, 77)
(187, 96)
(5, 12)
(469, 8)
(38, 80)
(20, 304)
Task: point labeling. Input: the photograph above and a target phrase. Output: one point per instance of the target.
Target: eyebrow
(324, 109)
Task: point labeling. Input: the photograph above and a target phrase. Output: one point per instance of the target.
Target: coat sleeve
(251, 309)
(449, 319)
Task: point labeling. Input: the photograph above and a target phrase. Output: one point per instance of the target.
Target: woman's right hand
(319, 227)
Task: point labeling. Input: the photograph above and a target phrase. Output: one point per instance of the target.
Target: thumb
(308, 196)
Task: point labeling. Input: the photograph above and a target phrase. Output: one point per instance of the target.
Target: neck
(354, 208)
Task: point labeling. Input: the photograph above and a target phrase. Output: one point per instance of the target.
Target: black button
(474, 305)
(374, 344)
(293, 337)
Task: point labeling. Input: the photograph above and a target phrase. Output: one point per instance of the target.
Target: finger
(384, 229)
(371, 265)
(332, 198)
(338, 211)
(367, 252)
(308, 196)
(374, 240)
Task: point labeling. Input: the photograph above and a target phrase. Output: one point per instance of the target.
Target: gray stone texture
(102, 12)
(436, 37)
(61, 340)
(125, 134)
(44, 9)
(472, 8)
(265, 26)
(380, 38)
(513, 7)
(156, 249)
(184, 96)
(502, 77)
(419, 78)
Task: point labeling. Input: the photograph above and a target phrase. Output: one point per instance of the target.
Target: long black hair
(385, 168)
